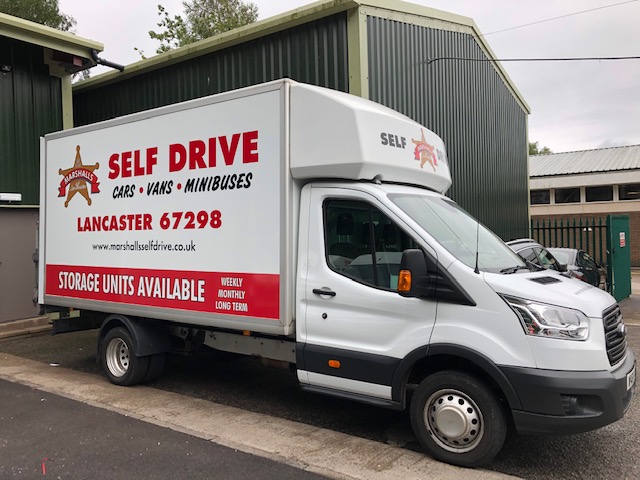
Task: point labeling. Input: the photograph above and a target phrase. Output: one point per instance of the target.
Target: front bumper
(566, 402)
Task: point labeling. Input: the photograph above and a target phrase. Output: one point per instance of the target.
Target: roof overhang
(65, 50)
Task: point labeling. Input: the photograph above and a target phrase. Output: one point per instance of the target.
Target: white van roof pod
(337, 135)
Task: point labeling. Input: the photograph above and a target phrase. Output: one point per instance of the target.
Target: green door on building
(619, 256)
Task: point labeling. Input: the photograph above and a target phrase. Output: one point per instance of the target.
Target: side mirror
(413, 279)
(562, 267)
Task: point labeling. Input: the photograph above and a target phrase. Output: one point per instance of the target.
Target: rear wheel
(458, 419)
(118, 358)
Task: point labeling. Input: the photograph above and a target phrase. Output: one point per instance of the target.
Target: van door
(356, 327)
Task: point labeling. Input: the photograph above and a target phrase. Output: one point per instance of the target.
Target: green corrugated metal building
(36, 64)
(378, 49)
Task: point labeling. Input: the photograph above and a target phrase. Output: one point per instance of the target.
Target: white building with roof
(588, 184)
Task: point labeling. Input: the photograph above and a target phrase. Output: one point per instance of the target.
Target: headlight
(549, 321)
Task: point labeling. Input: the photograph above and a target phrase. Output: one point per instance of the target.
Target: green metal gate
(606, 241)
(588, 234)
(619, 256)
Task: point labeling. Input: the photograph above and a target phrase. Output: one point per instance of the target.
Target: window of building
(541, 197)
(603, 193)
(629, 192)
(568, 195)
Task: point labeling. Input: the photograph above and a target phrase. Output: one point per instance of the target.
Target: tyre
(119, 360)
(156, 367)
(458, 419)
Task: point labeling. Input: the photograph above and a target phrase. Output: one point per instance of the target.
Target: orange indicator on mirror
(404, 281)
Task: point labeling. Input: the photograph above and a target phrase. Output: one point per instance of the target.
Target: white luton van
(309, 226)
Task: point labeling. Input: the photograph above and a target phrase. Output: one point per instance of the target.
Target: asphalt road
(47, 436)
(244, 383)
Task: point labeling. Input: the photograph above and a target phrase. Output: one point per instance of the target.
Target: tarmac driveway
(243, 384)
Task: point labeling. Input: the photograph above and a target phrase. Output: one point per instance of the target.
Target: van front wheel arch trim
(430, 352)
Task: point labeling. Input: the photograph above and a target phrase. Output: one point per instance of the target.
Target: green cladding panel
(315, 53)
(30, 106)
(468, 104)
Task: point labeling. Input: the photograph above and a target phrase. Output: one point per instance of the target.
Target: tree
(534, 149)
(203, 19)
(44, 12)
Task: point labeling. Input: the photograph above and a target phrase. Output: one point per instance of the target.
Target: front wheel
(118, 358)
(458, 419)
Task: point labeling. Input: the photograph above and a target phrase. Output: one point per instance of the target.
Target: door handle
(324, 291)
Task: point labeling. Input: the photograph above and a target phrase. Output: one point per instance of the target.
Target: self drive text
(197, 154)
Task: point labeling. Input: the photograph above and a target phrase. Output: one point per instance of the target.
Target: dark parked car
(532, 252)
(581, 261)
(535, 253)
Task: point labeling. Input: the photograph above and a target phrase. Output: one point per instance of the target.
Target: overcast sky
(574, 105)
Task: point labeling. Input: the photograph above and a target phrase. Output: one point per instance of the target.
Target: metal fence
(588, 234)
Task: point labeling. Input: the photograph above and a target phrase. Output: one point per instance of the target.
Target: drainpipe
(106, 63)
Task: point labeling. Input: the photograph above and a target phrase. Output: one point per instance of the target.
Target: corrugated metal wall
(468, 105)
(313, 53)
(30, 106)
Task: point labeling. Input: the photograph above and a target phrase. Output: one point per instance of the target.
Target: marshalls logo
(425, 152)
(76, 179)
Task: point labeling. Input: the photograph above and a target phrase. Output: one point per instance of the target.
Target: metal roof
(586, 161)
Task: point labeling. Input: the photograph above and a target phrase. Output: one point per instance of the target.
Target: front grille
(615, 334)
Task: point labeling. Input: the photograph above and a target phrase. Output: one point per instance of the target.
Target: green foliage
(211, 17)
(140, 52)
(44, 12)
(203, 19)
(175, 31)
(534, 149)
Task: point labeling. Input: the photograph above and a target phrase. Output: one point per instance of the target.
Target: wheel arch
(429, 359)
(149, 337)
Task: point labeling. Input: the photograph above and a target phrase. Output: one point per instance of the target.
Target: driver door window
(362, 243)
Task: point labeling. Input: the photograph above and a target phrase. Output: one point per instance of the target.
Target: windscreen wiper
(510, 270)
(533, 266)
